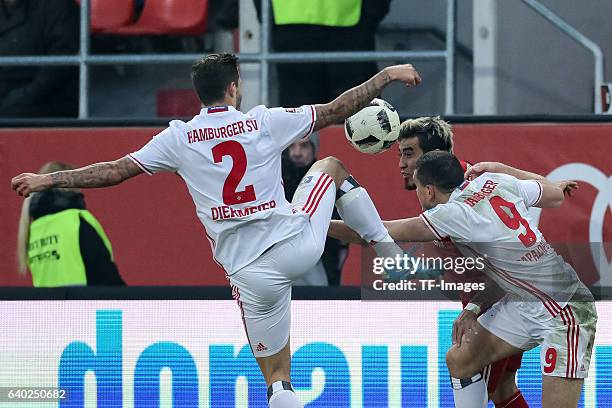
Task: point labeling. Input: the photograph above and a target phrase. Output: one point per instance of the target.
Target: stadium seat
(173, 17)
(105, 15)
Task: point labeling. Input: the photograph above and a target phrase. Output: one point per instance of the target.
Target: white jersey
(488, 218)
(231, 163)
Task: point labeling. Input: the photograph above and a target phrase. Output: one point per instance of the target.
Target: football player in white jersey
(416, 137)
(231, 163)
(545, 303)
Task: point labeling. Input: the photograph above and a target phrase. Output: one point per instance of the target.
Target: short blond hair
(433, 133)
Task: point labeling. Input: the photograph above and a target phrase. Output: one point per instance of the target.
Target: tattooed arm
(95, 175)
(353, 100)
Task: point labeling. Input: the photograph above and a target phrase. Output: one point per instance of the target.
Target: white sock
(387, 248)
(281, 395)
(470, 392)
(358, 212)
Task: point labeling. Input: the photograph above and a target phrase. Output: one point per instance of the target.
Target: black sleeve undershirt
(99, 267)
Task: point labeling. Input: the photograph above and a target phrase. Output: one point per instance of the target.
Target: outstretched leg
(356, 207)
(263, 288)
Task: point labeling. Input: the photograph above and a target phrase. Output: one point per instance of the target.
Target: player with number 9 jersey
(488, 218)
(545, 304)
(418, 136)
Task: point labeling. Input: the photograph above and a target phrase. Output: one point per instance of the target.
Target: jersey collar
(457, 192)
(218, 109)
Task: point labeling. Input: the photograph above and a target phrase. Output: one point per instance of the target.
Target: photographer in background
(296, 161)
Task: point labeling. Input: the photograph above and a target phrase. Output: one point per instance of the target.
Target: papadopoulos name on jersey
(538, 252)
(231, 130)
(224, 212)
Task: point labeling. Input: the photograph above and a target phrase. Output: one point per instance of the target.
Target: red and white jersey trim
(317, 194)
(573, 337)
(537, 201)
(313, 117)
(549, 303)
(139, 164)
(432, 228)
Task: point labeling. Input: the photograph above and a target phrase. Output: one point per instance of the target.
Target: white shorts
(263, 287)
(566, 339)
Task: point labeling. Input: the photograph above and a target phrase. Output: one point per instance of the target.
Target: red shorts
(499, 368)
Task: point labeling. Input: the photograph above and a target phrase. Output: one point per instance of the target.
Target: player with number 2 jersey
(231, 163)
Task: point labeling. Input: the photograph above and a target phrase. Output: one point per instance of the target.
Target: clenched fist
(27, 183)
(404, 73)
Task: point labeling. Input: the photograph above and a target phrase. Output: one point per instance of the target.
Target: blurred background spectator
(34, 27)
(340, 25)
(223, 15)
(296, 161)
(61, 243)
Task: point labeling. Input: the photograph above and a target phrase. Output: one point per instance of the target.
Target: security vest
(54, 252)
(334, 13)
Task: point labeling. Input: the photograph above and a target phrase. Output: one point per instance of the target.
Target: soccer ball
(374, 128)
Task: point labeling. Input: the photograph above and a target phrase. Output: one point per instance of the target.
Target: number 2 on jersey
(513, 220)
(236, 152)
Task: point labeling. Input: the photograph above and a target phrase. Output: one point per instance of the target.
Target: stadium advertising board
(158, 240)
(194, 354)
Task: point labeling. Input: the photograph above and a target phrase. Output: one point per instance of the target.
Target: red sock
(515, 401)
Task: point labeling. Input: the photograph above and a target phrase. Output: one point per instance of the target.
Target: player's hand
(482, 167)
(568, 186)
(464, 327)
(27, 183)
(404, 73)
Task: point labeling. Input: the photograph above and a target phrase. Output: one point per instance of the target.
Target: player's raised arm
(409, 230)
(405, 230)
(355, 99)
(552, 194)
(496, 167)
(95, 175)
